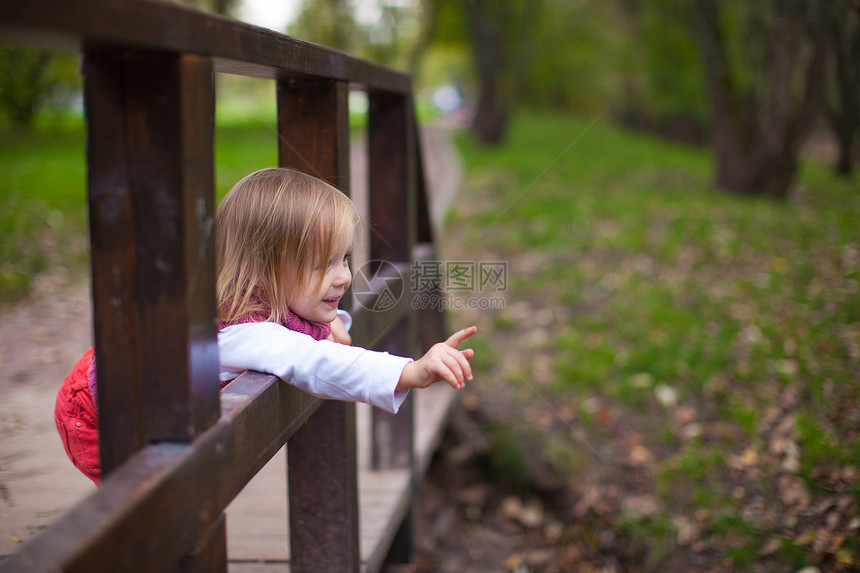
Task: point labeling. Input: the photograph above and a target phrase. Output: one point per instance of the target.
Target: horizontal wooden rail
(236, 47)
(112, 530)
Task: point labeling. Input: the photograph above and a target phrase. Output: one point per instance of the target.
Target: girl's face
(320, 304)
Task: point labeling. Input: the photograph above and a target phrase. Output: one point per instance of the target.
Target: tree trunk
(758, 128)
(488, 47)
(844, 105)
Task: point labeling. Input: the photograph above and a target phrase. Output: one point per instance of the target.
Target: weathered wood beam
(150, 155)
(236, 47)
(313, 127)
(393, 171)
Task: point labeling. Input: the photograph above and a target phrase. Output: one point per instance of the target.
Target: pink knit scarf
(316, 330)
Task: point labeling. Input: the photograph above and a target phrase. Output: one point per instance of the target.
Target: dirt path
(40, 339)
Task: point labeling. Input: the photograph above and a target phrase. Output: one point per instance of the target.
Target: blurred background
(673, 380)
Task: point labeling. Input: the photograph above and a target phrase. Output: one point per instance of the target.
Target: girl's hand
(444, 361)
(339, 333)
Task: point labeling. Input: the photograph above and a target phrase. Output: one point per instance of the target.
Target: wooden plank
(393, 214)
(151, 188)
(111, 214)
(391, 446)
(313, 126)
(313, 120)
(153, 508)
(323, 492)
(147, 24)
(210, 553)
(392, 172)
(385, 502)
(391, 157)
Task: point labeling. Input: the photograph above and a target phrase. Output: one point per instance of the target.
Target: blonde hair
(272, 229)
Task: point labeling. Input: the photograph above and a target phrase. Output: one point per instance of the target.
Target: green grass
(731, 304)
(42, 201)
(43, 212)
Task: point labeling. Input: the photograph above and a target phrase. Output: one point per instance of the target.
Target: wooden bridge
(175, 452)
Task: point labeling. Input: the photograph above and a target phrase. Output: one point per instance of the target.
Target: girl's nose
(343, 277)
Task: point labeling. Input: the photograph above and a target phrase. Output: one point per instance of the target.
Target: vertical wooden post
(150, 119)
(313, 125)
(393, 175)
(392, 172)
(151, 201)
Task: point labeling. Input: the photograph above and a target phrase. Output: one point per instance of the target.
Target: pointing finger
(458, 337)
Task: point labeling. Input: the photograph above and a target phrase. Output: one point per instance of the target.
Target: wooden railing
(174, 452)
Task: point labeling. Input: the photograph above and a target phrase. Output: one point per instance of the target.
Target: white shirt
(319, 367)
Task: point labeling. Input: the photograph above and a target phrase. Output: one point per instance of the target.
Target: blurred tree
(329, 23)
(661, 80)
(765, 68)
(391, 38)
(576, 57)
(223, 7)
(385, 31)
(502, 34)
(24, 83)
(428, 27)
(31, 79)
(843, 105)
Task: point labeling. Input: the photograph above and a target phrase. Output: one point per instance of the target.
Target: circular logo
(377, 286)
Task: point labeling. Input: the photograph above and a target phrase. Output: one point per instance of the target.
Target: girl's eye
(345, 259)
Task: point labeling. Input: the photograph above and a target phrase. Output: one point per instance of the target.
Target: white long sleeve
(320, 367)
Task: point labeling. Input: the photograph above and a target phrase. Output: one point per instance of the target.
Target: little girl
(283, 241)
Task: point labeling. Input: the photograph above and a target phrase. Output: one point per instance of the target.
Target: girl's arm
(322, 368)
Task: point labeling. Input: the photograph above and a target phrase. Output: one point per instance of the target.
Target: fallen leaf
(823, 542)
(666, 395)
(749, 456)
(640, 455)
(15, 538)
(540, 557)
(511, 507)
(553, 531)
(640, 506)
(692, 430)
(688, 531)
(514, 561)
(475, 495)
(531, 516)
(771, 546)
(832, 520)
(845, 557)
(793, 492)
(806, 538)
